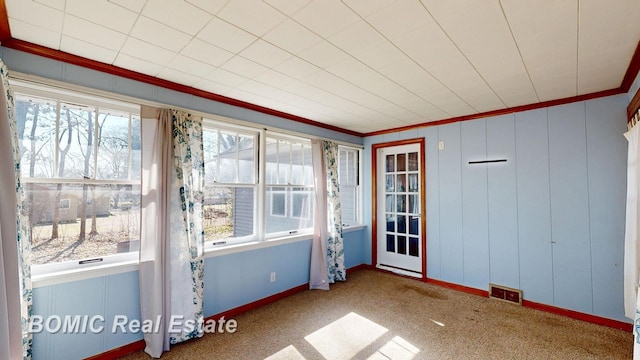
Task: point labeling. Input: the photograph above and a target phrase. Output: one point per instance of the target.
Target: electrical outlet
(273, 277)
(441, 145)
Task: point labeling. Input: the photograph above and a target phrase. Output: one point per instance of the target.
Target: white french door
(399, 209)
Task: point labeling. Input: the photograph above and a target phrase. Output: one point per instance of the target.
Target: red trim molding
(498, 112)
(543, 307)
(632, 70)
(634, 105)
(5, 31)
(579, 316)
(120, 351)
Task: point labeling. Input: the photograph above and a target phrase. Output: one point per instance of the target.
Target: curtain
(327, 250)
(172, 243)
(15, 249)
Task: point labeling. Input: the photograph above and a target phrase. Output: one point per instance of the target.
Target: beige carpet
(375, 315)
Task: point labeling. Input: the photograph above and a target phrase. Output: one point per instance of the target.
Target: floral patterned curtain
(335, 244)
(187, 241)
(20, 235)
(327, 251)
(172, 242)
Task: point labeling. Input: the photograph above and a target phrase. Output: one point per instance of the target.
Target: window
(82, 154)
(289, 185)
(231, 183)
(348, 178)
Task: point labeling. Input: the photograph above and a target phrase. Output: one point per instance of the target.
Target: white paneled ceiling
(361, 65)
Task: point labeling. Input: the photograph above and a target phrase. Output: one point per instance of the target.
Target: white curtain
(327, 251)
(172, 239)
(15, 250)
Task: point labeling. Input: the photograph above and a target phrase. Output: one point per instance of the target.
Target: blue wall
(549, 221)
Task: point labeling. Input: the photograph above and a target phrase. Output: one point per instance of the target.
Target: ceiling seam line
(515, 42)
(412, 60)
(464, 55)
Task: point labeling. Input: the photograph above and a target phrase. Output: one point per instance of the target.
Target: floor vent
(505, 294)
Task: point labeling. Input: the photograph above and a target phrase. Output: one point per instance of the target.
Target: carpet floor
(376, 315)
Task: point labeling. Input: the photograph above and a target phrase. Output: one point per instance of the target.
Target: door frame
(374, 198)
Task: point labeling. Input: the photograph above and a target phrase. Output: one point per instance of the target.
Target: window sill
(65, 276)
(253, 245)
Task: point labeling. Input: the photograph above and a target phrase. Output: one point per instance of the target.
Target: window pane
(60, 232)
(228, 145)
(76, 141)
(284, 162)
(136, 148)
(228, 212)
(210, 147)
(246, 165)
(308, 165)
(113, 145)
(288, 209)
(36, 119)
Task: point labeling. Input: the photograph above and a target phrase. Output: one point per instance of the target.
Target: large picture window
(80, 162)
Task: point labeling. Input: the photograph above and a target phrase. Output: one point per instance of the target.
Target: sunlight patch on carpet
(289, 353)
(397, 349)
(345, 337)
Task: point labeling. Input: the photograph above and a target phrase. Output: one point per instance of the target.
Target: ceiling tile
(225, 77)
(292, 37)
(179, 15)
(86, 50)
(226, 36)
(288, 7)
(264, 53)
(92, 33)
(324, 54)
(275, 78)
(604, 69)
(178, 77)
(400, 18)
(362, 76)
(142, 66)
(358, 38)
(465, 81)
(556, 40)
(382, 55)
(326, 17)
(105, 13)
(145, 51)
(34, 34)
(213, 87)
(492, 50)
(254, 16)
(440, 9)
(55, 4)
(190, 66)
(210, 6)
(133, 5)
(159, 34)
(244, 67)
(36, 14)
(200, 50)
(365, 8)
(297, 68)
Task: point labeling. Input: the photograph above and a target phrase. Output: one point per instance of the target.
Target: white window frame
(357, 187)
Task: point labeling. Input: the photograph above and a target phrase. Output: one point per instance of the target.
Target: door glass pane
(391, 164)
(402, 162)
(413, 204)
(402, 224)
(413, 161)
(413, 225)
(391, 223)
(402, 182)
(402, 206)
(413, 182)
(413, 246)
(402, 245)
(390, 206)
(390, 183)
(391, 243)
